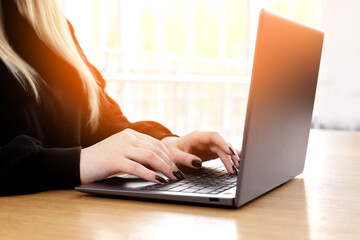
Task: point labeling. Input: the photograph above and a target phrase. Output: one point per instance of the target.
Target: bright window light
(184, 63)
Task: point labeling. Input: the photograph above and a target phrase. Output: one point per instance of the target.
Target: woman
(58, 127)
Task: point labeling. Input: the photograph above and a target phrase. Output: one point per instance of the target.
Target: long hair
(51, 26)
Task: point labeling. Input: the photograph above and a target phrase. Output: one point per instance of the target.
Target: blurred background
(187, 63)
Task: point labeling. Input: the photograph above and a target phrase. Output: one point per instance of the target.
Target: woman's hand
(190, 150)
(130, 152)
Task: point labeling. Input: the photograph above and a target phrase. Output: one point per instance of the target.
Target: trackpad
(132, 181)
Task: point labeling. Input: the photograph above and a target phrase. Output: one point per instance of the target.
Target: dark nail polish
(235, 170)
(232, 151)
(159, 178)
(177, 175)
(196, 163)
(182, 175)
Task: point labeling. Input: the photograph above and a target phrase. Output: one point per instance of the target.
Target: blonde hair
(51, 26)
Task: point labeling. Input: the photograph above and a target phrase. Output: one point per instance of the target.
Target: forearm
(26, 166)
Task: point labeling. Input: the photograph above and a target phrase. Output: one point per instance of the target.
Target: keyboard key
(206, 180)
(166, 187)
(177, 189)
(191, 190)
(205, 190)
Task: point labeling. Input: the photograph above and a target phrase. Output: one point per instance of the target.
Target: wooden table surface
(322, 203)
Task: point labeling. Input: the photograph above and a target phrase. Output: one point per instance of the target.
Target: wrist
(83, 175)
(169, 139)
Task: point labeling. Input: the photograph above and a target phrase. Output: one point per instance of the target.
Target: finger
(226, 159)
(139, 170)
(187, 159)
(235, 160)
(239, 154)
(141, 141)
(152, 159)
(157, 147)
(234, 155)
(217, 140)
(152, 140)
(220, 143)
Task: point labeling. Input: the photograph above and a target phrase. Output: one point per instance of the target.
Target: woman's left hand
(195, 147)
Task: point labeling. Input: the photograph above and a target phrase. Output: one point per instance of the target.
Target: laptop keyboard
(203, 181)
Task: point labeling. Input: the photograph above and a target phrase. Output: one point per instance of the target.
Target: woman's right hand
(130, 152)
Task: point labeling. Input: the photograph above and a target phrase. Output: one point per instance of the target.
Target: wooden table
(322, 203)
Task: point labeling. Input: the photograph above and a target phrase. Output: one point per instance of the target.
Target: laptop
(278, 119)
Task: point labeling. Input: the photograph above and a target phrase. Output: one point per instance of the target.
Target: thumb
(187, 159)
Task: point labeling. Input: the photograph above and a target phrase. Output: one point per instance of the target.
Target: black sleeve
(112, 118)
(26, 167)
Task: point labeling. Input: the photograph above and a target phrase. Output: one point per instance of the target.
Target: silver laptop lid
(281, 98)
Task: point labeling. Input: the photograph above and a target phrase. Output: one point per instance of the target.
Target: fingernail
(196, 163)
(182, 175)
(235, 170)
(160, 179)
(177, 175)
(233, 152)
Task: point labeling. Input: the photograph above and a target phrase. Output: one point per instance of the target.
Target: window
(184, 63)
